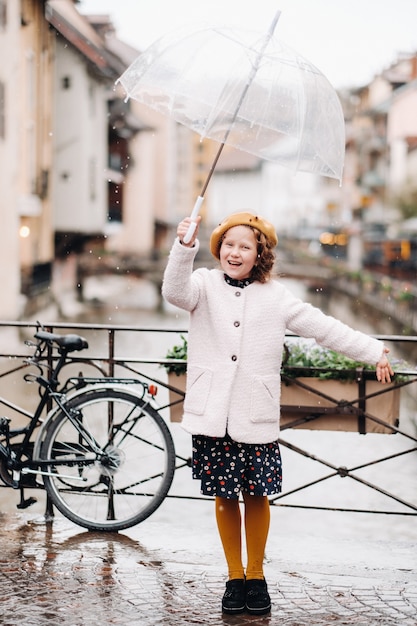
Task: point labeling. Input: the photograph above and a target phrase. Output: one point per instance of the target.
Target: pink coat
(235, 347)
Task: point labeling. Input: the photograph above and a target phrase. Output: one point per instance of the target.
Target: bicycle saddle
(69, 343)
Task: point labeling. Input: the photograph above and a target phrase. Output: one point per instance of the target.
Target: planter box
(176, 410)
(298, 403)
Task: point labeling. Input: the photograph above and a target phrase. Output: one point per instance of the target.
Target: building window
(92, 99)
(3, 15)
(2, 110)
(115, 161)
(92, 179)
(115, 214)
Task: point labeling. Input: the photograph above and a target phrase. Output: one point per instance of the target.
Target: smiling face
(238, 252)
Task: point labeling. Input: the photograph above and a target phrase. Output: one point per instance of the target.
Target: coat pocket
(265, 399)
(198, 389)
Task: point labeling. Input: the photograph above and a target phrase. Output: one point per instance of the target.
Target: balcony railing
(120, 351)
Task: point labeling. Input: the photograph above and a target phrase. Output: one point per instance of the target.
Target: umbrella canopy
(246, 89)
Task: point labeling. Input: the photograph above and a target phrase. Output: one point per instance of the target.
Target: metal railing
(114, 351)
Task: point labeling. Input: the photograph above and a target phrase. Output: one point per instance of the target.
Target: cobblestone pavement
(61, 575)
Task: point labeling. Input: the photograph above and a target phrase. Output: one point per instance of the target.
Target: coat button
(238, 294)
(234, 357)
(237, 324)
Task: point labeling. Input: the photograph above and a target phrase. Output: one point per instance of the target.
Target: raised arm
(178, 288)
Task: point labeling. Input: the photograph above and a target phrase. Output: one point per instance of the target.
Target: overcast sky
(348, 40)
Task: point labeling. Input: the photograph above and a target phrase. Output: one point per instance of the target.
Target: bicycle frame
(14, 455)
(101, 384)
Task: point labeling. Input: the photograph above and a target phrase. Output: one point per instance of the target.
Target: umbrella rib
(252, 73)
(249, 81)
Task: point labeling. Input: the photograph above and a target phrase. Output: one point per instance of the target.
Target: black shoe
(233, 601)
(257, 600)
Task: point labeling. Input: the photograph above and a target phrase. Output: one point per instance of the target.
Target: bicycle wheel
(114, 460)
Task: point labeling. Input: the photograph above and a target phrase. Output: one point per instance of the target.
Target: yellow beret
(241, 219)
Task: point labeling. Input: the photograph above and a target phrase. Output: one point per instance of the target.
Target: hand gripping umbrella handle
(193, 216)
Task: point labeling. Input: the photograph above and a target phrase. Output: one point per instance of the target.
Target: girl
(238, 320)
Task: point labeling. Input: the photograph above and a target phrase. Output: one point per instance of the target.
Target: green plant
(319, 363)
(300, 359)
(405, 295)
(406, 201)
(177, 352)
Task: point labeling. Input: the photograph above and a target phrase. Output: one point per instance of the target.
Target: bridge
(313, 274)
(153, 269)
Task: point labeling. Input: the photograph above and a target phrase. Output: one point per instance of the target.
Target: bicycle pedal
(4, 425)
(24, 504)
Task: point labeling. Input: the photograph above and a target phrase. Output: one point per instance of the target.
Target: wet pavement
(323, 568)
(170, 570)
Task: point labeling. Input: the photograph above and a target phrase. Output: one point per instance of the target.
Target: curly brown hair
(262, 269)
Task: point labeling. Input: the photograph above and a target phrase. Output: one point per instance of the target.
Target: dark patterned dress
(226, 467)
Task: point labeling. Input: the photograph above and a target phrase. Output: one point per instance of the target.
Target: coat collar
(238, 283)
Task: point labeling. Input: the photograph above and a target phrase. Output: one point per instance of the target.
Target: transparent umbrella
(247, 90)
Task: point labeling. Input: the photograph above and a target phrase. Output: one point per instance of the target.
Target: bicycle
(103, 453)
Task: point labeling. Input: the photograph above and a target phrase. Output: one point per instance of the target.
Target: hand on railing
(384, 370)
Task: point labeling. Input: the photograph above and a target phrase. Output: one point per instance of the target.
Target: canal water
(133, 302)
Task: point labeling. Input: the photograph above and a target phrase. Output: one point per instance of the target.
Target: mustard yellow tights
(229, 523)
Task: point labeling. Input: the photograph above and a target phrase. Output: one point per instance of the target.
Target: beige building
(25, 150)
(82, 170)
(402, 138)
(9, 159)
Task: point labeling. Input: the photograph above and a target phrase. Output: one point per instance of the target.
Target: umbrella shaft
(212, 168)
(273, 24)
(249, 81)
(251, 76)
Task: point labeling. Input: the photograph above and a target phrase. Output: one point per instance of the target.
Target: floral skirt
(226, 468)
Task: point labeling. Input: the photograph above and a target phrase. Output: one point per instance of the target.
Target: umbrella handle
(193, 216)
